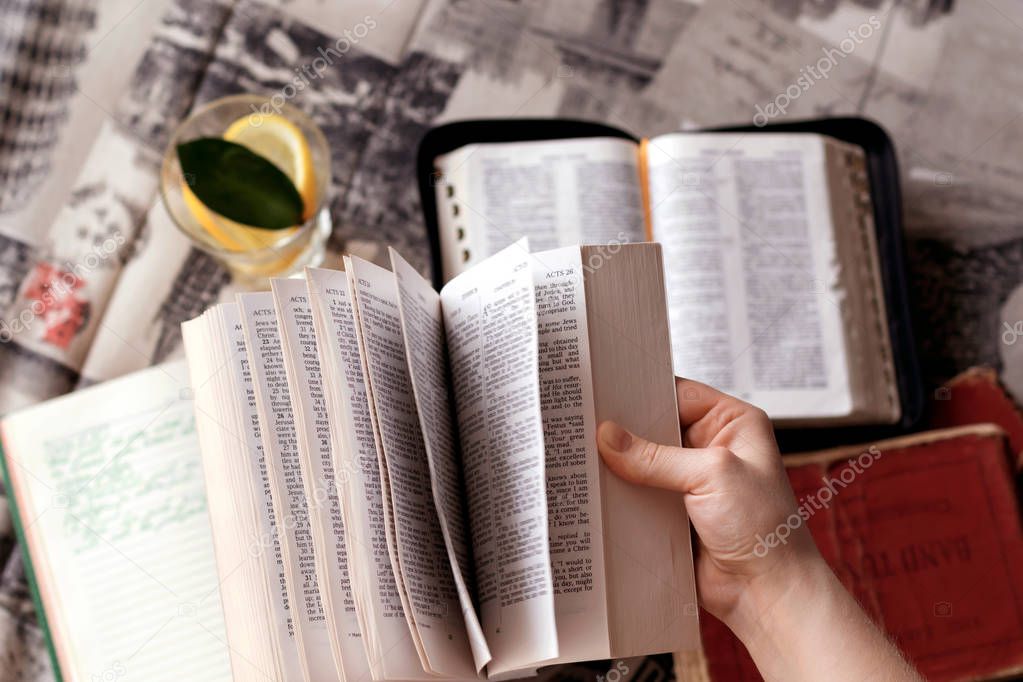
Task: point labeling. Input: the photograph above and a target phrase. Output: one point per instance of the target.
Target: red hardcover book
(925, 531)
(974, 397)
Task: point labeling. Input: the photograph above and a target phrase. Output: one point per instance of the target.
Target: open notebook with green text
(107, 496)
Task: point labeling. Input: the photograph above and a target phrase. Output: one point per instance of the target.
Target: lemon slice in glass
(282, 143)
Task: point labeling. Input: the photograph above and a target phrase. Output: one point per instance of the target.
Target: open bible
(408, 479)
(771, 259)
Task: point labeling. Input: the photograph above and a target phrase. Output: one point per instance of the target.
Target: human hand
(783, 602)
(735, 488)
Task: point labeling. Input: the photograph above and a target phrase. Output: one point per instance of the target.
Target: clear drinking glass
(249, 252)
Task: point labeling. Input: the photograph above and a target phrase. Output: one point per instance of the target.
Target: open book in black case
(783, 249)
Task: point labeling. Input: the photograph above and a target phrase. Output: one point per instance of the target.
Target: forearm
(805, 626)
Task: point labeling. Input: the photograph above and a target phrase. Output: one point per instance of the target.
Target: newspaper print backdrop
(41, 43)
(102, 291)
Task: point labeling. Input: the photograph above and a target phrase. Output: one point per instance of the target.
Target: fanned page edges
(286, 484)
(422, 565)
(390, 649)
(245, 542)
(490, 324)
(439, 450)
(302, 369)
(420, 314)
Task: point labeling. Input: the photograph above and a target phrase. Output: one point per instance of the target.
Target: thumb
(637, 460)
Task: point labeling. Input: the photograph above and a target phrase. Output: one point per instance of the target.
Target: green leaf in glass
(239, 184)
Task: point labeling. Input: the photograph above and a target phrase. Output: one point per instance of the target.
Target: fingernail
(615, 437)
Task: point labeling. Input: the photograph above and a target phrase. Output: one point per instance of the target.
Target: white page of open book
(110, 490)
(277, 430)
(422, 326)
(573, 463)
(749, 258)
(389, 642)
(553, 192)
(390, 528)
(422, 560)
(268, 542)
(490, 323)
(302, 367)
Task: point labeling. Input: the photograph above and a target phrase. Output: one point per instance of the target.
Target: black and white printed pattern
(163, 86)
(41, 42)
(608, 60)
(382, 203)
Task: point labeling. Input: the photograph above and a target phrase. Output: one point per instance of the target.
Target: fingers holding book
(757, 567)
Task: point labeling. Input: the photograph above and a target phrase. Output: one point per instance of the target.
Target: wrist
(794, 620)
(774, 599)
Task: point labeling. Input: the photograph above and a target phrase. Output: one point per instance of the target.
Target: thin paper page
(268, 543)
(573, 463)
(277, 428)
(490, 322)
(302, 367)
(109, 485)
(553, 192)
(748, 253)
(422, 557)
(422, 326)
(245, 602)
(389, 644)
(390, 527)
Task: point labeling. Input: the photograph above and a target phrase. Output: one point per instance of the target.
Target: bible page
(573, 463)
(233, 514)
(422, 327)
(268, 543)
(422, 558)
(277, 430)
(490, 324)
(390, 528)
(390, 646)
(749, 254)
(553, 192)
(302, 368)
